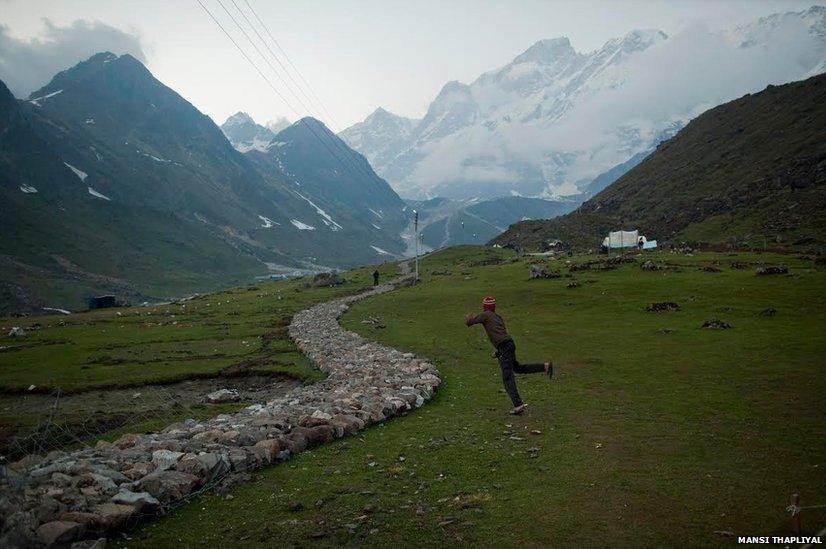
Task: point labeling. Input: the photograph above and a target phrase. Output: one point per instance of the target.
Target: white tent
(621, 239)
(627, 239)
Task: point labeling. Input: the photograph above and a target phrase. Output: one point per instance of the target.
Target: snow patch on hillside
(36, 101)
(324, 215)
(267, 222)
(153, 157)
(257, 144)
(380, 251)
(80, 173)
(96, 194)
(301, 226)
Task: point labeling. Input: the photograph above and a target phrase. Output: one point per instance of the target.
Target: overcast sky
(356, 54)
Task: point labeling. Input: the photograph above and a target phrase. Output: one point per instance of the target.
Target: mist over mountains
(553, 119)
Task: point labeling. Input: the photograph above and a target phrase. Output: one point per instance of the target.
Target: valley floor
(74, 378)
(654, 431)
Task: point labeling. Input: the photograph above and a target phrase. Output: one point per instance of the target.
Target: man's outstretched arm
(471, 319)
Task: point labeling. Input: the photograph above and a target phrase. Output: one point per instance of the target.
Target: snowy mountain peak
(244, 134)
(381, 133)
(780, 26)
(640, 39)
(554, 119)
(453, 90)
(547, 51)
(238, 119)
(382, 115)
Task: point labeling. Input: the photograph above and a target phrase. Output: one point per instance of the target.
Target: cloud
(26, 65)
(645, 95)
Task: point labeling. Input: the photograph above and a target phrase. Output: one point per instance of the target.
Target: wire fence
(76, 421)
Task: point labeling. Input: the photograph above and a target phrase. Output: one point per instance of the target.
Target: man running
(506, 351)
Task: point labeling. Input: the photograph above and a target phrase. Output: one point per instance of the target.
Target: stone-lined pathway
(65, 497)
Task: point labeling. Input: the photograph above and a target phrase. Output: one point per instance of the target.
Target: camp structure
(627, 239)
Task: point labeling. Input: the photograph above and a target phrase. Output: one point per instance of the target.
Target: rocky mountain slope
(381, 136)
(751, 172)
(114, 183)
(554, 118)
(245, 134)
(444, 222)
(348, 198)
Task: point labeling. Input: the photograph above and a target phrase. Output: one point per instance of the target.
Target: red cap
(489, 303)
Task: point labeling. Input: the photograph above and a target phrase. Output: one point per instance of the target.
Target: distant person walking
(506, 351)
(376, 277)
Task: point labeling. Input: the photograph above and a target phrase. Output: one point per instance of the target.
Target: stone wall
(64, 497)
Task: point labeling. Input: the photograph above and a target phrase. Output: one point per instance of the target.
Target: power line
(355, 167)
(264, 57)
(287, 57)
(335, 140)
(258, 70)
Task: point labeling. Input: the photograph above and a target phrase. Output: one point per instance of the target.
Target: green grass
(163, 343)
(130, 347)
(645, 436)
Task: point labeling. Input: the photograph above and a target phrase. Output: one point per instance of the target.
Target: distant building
(102, 302)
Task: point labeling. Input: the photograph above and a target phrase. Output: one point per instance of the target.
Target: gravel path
(64, 497)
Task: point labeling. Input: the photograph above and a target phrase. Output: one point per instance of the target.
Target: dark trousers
(506, 353)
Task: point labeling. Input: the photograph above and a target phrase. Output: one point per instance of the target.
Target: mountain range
(448, 222)
(554, 119)
(748, 173)
(113, 183)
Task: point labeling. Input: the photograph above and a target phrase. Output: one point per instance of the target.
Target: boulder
(138, 470)
(189, 463)
(142, 501)
(216, 465)
(662, 307)
(169, 485)
(91, 521)
(766, 270)
(238, 459)
(127, 441)
(59, 532)
(716, 324)
(267, 450)
(331, 278)
(320, 434)
(540, 271)
(113, 515)
(17, 331)
(164, 459)
(223, 395)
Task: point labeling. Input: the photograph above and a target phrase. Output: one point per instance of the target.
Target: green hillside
(751, 172)
(111, 182)
(653, 432)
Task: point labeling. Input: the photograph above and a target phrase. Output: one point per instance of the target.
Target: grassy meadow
(97, 361)
(654, 431)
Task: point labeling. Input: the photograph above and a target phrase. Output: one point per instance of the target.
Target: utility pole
(416, 236)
